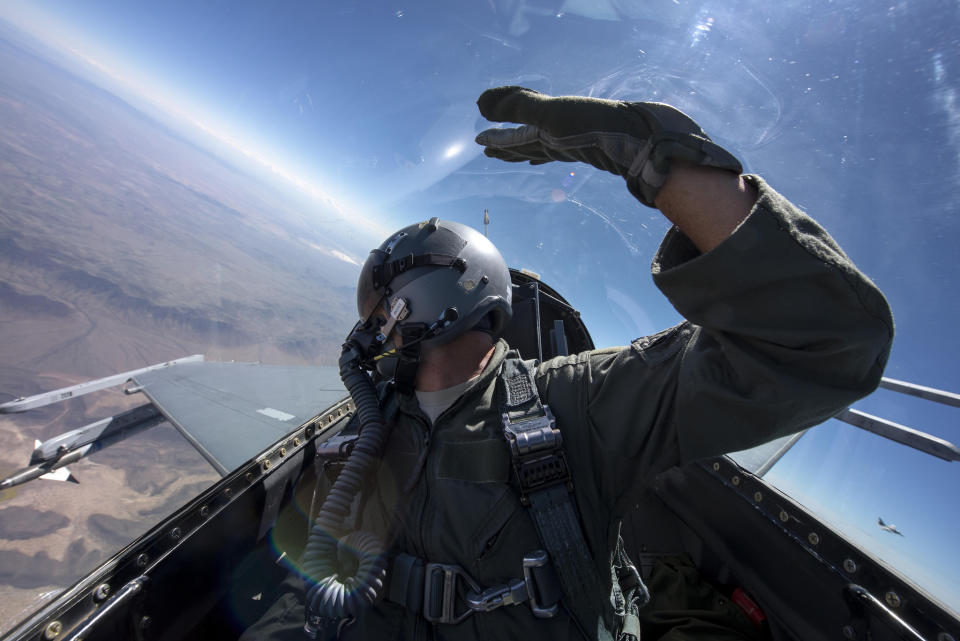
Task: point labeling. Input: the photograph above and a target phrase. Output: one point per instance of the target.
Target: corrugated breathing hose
(334, 598)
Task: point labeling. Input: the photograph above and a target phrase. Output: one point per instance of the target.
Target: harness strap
(546, 489)
(406, 582)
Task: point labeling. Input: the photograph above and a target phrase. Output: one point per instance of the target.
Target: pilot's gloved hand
(636, 140)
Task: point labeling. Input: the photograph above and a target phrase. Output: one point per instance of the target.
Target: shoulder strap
(547, 490)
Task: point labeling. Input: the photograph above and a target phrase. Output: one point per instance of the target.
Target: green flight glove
(636, 140)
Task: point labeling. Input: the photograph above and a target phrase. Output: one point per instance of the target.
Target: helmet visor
(368, 296)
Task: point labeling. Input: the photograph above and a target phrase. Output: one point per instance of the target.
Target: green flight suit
(782, 332)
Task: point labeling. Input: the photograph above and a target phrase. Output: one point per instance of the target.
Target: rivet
(53, 630)
(757, 496)
(176, 533)
(784, 517)
(101, 592)
(735, 480)
(145, 622)
(205, 511)
(892, 599)
(142, 560)
(849, 632)
(849, 566)
(283, 451)
(716, 467)
(814, 538)
(266, 465)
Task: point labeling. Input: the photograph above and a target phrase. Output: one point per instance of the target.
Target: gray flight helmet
(433, 267)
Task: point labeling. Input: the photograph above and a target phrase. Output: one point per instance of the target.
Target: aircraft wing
(231, 412)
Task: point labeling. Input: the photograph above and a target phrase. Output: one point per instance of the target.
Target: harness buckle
(536, 453)
(532, 434)
(440, 592)
(537, 559)
(492, 598)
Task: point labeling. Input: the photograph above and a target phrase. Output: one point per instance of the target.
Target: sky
(851, 111)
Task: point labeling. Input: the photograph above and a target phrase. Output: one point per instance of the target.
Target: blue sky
(852, 112)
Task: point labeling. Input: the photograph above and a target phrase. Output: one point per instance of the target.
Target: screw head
(892, 599)
(716, 467)
(784, 517)
(757, 496)
(53, 630)
(283, 451)
(205, 511)
(228, 492)
(145, 622)
(814, 538)
(849, 632)
(176, 533)
(849, 566)
(266, 465)
(735, 480)
(101, 592)
(142, 560)
(296, 442)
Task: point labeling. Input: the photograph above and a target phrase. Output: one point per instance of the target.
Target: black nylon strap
(406, 582)
(383, 274)
(559, 528)
(531, 432)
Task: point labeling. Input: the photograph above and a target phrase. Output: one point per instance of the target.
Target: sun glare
(453, 150)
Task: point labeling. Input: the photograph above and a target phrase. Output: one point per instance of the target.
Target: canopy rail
(927, 393)
(902, 434)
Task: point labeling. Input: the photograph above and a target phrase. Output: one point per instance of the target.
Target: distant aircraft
(888, 527)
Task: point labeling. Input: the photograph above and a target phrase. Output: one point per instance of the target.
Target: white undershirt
(433, 404)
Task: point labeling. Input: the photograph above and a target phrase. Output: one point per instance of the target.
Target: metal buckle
(492, 598)
(478, 600)
(449, 573)
(536, 559)
(532, 434)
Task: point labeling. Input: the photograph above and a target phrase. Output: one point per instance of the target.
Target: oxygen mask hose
(336, 597)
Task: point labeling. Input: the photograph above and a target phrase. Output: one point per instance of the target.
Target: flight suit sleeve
(782, 332)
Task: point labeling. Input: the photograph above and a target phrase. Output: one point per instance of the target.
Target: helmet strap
(408, 357)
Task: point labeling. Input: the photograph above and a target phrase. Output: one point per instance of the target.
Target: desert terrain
(123, 244)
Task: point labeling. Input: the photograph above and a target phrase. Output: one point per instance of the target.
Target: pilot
(498, 497)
